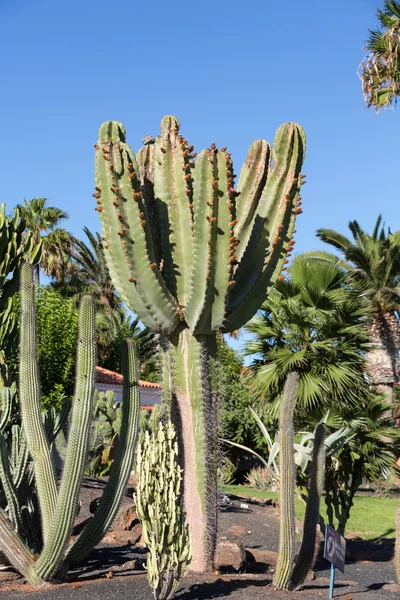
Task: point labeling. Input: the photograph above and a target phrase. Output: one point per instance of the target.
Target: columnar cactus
(291, 572)
(305, 558)
(159, 508)
(192, 255)
(58, 504)
(287, 484)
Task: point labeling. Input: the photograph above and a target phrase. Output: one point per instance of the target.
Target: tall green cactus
(58, 505)
(291, 572)
(287, 484)
(159, 508)
(305, 558)
(191, 256)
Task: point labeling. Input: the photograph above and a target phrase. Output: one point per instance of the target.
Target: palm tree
(373, 262)
(89, 275)
(380, 70)
(40, 218)
(311, 323)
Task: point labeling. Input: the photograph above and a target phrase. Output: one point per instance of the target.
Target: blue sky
(230, 71)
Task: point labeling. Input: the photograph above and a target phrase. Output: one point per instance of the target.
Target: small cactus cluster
(194, 254)
(159, 507)
(58, 503)
(292, 571)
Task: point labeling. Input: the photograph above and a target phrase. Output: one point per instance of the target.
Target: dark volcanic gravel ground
(362, 579)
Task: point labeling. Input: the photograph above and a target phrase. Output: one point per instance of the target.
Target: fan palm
(373, 262)
(41, 218)
(380, 70)
(311, 323)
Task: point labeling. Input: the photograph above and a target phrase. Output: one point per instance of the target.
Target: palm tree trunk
(383, 361)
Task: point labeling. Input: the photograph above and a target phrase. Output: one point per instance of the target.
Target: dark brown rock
(263, 556)
(230, 555)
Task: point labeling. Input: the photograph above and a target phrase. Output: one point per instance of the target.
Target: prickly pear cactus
(159, 508)
(192, 254)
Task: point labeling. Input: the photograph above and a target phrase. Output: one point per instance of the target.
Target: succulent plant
(15, 247)
(192, 255)
(58, 504)
(159, 507)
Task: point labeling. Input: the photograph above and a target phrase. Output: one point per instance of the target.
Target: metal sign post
(332, 581)
(335, 552)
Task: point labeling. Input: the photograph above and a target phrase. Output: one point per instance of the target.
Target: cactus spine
(58, 507)
(287, 485)
(191, 256)
(305, 558)
(159, 507)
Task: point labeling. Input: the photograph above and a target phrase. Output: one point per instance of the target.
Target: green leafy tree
(373, 263)
(380, 70)
(236, 421)
(57, 327)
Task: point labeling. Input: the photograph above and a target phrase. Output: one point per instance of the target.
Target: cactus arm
(122, 465)
(304, 561)
(113, 249)
(287, 468)
(139, 245)
(252, 179)
(78, 442)
(270, 223)
(237, 317)
(127, 233)
(225, 251)
(174, 193)
(30, 403)
(17, 553)
(10, 492)
(221, 245)
(205, 199)
(145, 161)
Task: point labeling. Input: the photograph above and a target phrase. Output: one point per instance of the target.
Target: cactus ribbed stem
(397, 544)
(78, 444)
(196, 413)
(30, 403)
(287, 484)
(305, 558)
(10, 492)
(17, 553)
(122, 465)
